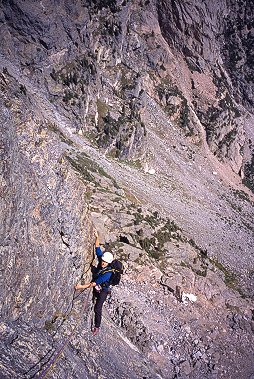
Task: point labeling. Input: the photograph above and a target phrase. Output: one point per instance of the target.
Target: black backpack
(117, 271)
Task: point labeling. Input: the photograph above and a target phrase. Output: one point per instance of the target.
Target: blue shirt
(102, 277)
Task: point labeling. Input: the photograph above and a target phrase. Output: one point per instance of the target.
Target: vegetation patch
(225, 112)
(57, 131)
(201, 252)
(80, 166)
(199, 272)
(75, 77)
(153, 219)
(137, 163)
(230, 278)
(177, 111)
(49, 324)
(128, 80)
(162, 231)
(248, 179)
(108, 129)
(139, 218)
(98, 5)
(242, 195)
(87, 167)
(102, 109)
(203, 266)
(116, 133)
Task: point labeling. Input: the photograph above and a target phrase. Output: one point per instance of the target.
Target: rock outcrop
(46, 241)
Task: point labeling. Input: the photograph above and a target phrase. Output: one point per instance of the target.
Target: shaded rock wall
(46, 235)
(180, 54)
(237, 49)
(82, 69)
(214, 40)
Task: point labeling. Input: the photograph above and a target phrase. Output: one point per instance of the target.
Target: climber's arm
(84, 286)
(97, 243)
(98, 251)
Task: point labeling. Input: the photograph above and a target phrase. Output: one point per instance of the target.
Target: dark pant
(100, 298)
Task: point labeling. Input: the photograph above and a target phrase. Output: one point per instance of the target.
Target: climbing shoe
(95, 331)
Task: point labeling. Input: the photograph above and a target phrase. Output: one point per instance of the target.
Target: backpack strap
(105, 271)
(110, 270)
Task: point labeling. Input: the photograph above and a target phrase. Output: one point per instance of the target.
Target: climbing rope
(56, 356)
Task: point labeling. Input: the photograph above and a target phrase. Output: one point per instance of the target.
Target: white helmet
(107, 257)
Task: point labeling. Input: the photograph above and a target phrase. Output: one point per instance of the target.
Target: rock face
(46, 231)
(134, 117)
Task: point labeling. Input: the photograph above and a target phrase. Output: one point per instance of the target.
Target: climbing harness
(58, 353)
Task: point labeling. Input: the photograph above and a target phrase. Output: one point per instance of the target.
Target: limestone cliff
(134, 117)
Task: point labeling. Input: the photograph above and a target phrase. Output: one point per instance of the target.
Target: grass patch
(139, 218)
(153, 219)
(229, 276)
(137, 164)
(58, 132)
(78, 164)
(233, 308)
(85, 166)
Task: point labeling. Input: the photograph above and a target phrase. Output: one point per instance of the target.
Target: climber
(100, 283)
